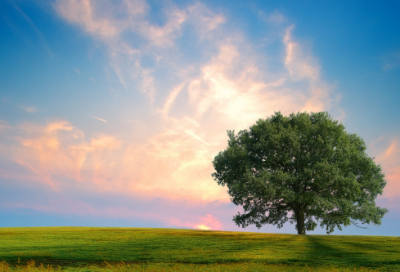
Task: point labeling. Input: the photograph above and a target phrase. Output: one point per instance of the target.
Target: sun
(203, 227)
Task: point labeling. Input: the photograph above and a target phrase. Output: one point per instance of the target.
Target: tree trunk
(300, 221)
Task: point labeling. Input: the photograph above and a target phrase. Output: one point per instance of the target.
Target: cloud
(204, 19)
(209, 222)
(85, 14)
(195, 136)
(302, 66)
(299, 65)
(58, 125)
(116, 24)
(238, 91)
(98, 118)
(164, 36)
(106, 22)
(231, 91)
(229, 83)
(59, 153)
(389, 157)
(56, 151)
(170, 100)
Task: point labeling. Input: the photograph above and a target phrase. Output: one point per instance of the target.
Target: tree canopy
(303, 168)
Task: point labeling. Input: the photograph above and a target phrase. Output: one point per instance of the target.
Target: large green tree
(304, 168)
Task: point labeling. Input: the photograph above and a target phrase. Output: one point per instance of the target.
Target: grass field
(146, 249)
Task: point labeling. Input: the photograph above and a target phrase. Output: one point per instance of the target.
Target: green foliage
(305, 165)
(86, 249)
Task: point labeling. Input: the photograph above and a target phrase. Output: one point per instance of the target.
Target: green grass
(146, 249)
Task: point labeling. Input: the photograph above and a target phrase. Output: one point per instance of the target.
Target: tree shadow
(334, 251)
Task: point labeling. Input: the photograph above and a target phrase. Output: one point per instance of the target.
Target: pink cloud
(392, 189)
(98, 20)
(160, 167)
(58, 150)
(165, 35)
(389, 158)
(209, 222)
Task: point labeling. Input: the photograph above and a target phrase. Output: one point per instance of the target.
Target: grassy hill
(147, 249)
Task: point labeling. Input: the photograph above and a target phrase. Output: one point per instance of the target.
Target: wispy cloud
(390, 160)
(170, 100)
(388, 156)
(195, 136)
(98, 118)
(112, 24)
(302, 66)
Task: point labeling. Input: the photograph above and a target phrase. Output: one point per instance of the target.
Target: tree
(304, 164)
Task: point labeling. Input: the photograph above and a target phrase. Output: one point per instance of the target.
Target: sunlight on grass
(165, 267)
(146, 249)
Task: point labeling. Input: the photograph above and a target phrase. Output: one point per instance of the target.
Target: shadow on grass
(329, 252)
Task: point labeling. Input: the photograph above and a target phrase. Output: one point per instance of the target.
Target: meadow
(150, 249)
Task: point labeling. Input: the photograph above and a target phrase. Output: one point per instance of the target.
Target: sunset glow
(202, 227)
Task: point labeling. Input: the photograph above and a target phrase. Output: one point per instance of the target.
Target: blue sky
(112, 111)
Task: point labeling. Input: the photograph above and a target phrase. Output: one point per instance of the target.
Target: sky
(111, 112)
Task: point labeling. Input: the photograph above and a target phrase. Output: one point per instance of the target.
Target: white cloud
(98, 118)
(115, 25)
(302, 66)
(299, 64)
